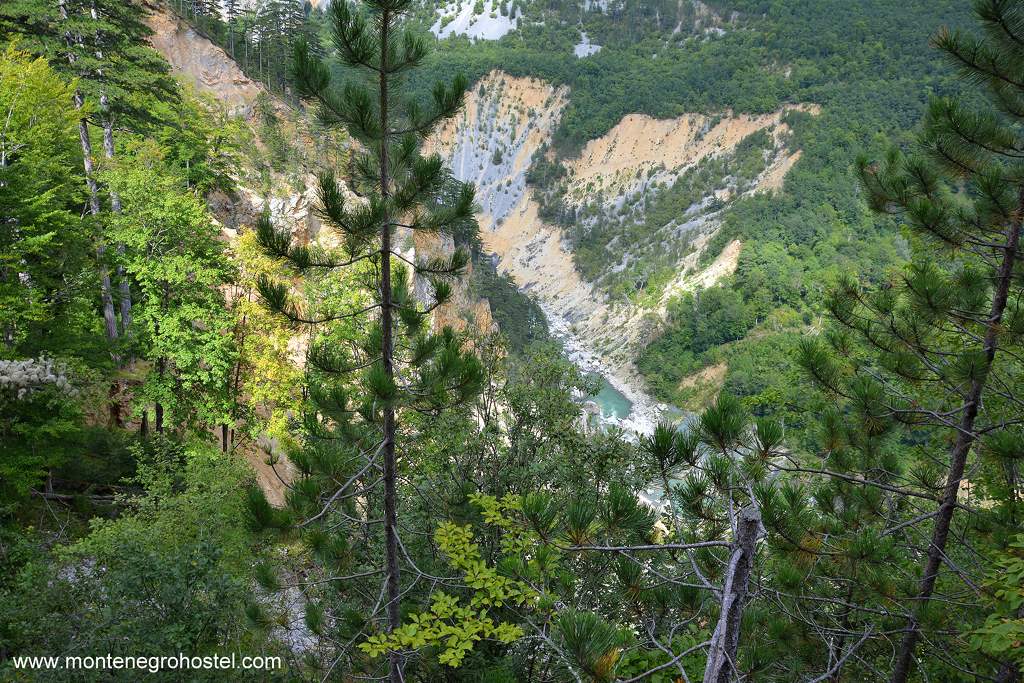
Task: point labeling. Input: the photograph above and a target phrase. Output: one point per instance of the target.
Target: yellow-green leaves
(454, 624)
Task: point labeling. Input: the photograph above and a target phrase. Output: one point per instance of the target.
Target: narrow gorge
(507, 126)
(505, 129)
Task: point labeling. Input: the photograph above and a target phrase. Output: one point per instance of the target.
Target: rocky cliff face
(212, 72)
(201, 63)
(507, 121)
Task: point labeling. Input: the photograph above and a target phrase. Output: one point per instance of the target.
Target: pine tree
(125, 68)
(231, 15)
(361, 388)
(71, 30)
(945, 333)
(683, 585)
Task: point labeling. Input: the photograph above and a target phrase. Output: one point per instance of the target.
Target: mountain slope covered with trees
(253, 398)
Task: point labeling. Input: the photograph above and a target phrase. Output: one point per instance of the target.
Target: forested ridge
(266, 388)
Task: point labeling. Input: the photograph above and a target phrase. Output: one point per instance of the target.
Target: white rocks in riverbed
(585, 48)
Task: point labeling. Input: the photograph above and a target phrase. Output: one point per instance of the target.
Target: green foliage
(697, 323)
(199, 142)
(270, 132)
(829, 47)
(566, 566)
(639, 661)
(867, 80)
(556, 542)
(653, 223)
(168, 575)
(114, 68)
(908, 363)
(519, 317)
(192, 494)
(44, 239)
(591, 642)
(171, 251)
(171, 572)
(43, 267)
(375, 360)
(1003, 632)
(40, 422)
(450, 625)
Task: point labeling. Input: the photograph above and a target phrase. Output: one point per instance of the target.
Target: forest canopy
(270, 388)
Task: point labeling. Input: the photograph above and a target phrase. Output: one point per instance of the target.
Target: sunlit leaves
(450, 624)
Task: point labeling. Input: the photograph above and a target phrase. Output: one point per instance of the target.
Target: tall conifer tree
(101, 44)
(945, 334)
(363, 387)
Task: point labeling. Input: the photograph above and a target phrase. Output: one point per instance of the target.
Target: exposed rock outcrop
(492, 143)
(201, 63)
(507, 120)
(461, 18)
(211, 71)
(641, 151)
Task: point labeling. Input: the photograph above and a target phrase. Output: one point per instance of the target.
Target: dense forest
(271, 407)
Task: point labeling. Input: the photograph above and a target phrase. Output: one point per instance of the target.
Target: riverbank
(644, 410)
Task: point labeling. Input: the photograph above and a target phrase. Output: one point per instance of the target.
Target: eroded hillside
(200, 63)
(612, 187)
(601, 241)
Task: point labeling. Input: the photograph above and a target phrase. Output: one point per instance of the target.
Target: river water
(622, 404)
(616, 407)
(611, 401)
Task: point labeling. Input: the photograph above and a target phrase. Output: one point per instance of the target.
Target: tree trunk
(115, 200)
(387, 353)
(5, 274)
(106, 297)
(106, 292)
(725, 641)
(844, 625)
(158, 409)
(1008, 673)
(114, 398)
(961, 449)
(161, 366)
(115, 206)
